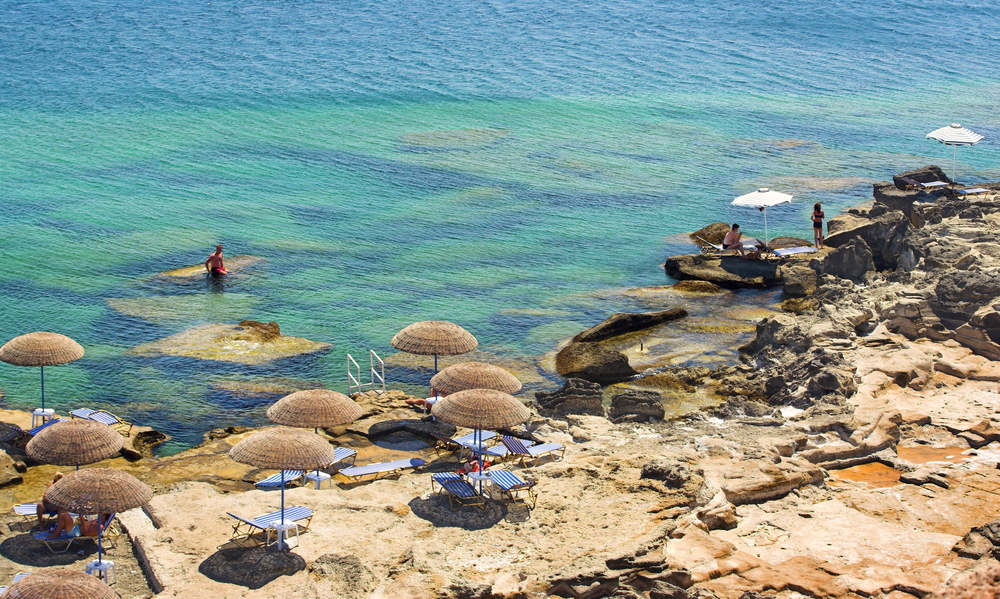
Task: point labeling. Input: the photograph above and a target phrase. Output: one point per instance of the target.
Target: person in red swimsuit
(214, 265)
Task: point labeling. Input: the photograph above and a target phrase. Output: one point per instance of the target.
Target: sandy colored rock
(246, 344)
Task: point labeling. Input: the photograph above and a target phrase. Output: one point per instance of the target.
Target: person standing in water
(214, 265)
(817, 218)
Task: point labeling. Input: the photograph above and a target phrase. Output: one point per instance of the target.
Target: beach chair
(929, 186)
(463, 445)
(17, 577)
(440, 477)
(971, 191)
(251, 529)
(104, 417)
(461, 493)
(42, 427)
(513, 488)
(63, 542)
(500, 453)
(520, 452)
(274, 481)
(357, 473)
(781, 253)
(29, 511)
(715, 248)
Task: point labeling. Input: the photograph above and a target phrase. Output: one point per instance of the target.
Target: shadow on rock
(24, 549)
(436, 510)
(251, 567)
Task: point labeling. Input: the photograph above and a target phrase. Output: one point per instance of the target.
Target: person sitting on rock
(732, 240)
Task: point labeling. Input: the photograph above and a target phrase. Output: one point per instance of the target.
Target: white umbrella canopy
(955, 135)
(762, 199)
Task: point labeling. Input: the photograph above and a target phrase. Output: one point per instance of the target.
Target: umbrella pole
(765, 228)
(316, 432)
(281, 525)
(954, 165)
(42, 369)
(100, 535)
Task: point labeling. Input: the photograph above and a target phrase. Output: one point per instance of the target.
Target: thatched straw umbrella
(481, 409)
(283, 449)
(61, 583)
(314, 408)
(74, 443)
(98, 491)
(474, 375)
(40, 349)
(434, 338)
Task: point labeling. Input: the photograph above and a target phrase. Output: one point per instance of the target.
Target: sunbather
(732, 240)
(44, 507)
(472, 465)
(65, 525)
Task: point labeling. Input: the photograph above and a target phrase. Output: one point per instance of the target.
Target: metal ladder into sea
(376, 371)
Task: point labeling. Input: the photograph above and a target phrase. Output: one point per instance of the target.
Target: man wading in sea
(214, 265)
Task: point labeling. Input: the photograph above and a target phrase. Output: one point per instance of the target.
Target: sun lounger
(930, 185)
(972, 191)
(500, 453)
(356, 473)
(461, 493)
(512, 487)
(522, 453)
(63, 542)
(274, 480)
(442, 477)
(104, 417)
(42, 427)
(464, 444)
(248, 529)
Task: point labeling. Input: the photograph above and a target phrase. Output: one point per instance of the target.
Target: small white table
(40, 416)
(281, 528)
(480, 479)
(103, 569)
(318, 476)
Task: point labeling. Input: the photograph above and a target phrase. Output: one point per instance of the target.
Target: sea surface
(509, 166)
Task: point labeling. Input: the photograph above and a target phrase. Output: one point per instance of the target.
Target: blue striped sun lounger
(522, 453)
(104, 417)
(443, 477)
(42, 427)
(274, 480)
(500, 453)
(512, 486)
(356, 473)
(972, 191)
(461, 493)
(249, 528)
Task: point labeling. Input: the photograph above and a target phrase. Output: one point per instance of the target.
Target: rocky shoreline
(852, 452)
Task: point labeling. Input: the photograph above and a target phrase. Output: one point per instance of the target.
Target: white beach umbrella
(955, 135)
(762, 199)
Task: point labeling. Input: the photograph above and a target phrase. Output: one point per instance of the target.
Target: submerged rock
(249, 342)
(620, 324)
(233, 264)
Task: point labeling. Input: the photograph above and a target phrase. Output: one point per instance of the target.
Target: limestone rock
(768, 481)
(636, 406)
(9, 474)
(620, 324)
(851, 261)
(576, 396)
(798, 280)
(346, 575)
(697, 287)
(729, 272)
(979, 583)
(593, 362)
(713, 233)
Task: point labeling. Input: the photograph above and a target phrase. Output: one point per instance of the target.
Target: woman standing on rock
(817, 218)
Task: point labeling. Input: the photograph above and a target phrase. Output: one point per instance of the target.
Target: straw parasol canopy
(61, 583)
(474, 375)
(485, 409)
(74, 443)
(40, 349)
(98, 491)
(314, 408)
(284, 449)
(434, 338)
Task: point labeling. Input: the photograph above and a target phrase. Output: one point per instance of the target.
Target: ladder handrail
(380, 374)
(352, 381)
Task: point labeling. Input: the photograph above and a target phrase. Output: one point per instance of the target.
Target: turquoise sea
(504, 165)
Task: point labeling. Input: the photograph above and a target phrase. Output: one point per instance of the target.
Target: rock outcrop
(636, 405)
(593, 362)
(248, 342)
(576, 396)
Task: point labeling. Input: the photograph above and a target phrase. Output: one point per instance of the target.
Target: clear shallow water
(497, 164)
